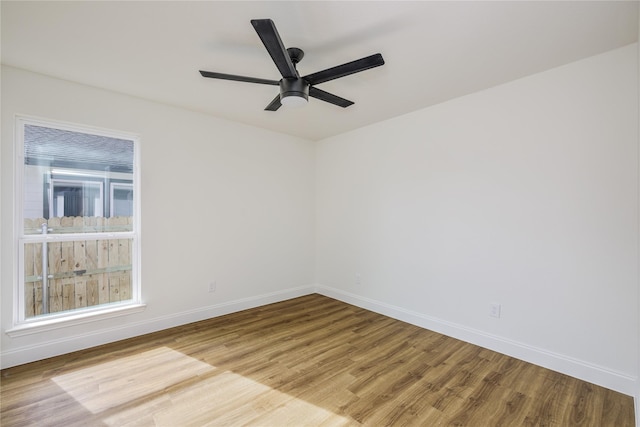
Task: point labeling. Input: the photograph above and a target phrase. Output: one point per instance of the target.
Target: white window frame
(22, 326)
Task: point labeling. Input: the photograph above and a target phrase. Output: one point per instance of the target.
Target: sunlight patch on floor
(130, 378)
(164, 387)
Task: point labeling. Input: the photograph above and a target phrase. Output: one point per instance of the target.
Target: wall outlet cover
(494, 310)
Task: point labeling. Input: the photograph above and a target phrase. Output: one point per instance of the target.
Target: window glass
(66, 174)
(78, 246)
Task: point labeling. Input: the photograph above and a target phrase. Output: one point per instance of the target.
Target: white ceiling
(434, 51)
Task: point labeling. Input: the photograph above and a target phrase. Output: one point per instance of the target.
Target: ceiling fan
(296, 90)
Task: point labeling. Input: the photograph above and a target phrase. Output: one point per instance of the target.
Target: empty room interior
(320, 213)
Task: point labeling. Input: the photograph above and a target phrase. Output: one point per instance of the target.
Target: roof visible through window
(63, 148)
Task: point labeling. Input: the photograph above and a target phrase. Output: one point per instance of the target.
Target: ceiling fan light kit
(295, 90)
(294, 93)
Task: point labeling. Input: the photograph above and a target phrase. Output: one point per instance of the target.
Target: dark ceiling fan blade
(329, 97)
(222, 76)
(266, 29)
(345, 69)
(275, 104)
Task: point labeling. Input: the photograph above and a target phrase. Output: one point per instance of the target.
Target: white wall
(220, 201)
(525, 195)
(637, 388)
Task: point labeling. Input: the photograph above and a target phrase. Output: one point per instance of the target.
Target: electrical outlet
(358, 279)
(212, 286)
(494, 310)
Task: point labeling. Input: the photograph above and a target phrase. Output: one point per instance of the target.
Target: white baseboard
(43, 350)
(586, 371)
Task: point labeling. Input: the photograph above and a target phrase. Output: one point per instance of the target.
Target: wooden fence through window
(81, 273)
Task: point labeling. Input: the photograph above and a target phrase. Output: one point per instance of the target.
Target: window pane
(80, 274)
(68, 175)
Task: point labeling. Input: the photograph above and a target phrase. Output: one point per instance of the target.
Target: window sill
(37, 326)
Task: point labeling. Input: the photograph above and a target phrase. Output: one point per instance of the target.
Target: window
(121, 198)
(75, 198)
(77, 213)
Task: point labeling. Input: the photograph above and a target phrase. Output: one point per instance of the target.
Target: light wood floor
(307, 361)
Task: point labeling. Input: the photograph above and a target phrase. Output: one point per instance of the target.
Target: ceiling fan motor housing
(294, 87)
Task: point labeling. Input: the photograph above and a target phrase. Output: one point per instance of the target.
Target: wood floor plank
(309, 361)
